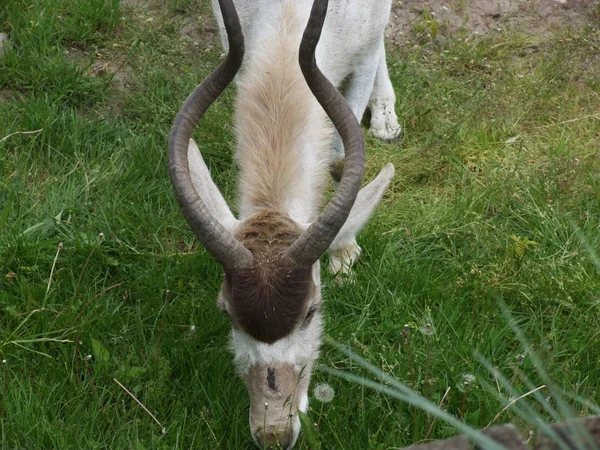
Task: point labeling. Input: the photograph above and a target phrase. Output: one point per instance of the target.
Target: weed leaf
(309, 431)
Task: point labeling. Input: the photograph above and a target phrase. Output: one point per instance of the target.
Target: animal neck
(283, 134)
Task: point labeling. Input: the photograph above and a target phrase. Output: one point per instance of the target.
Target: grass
(495, 202)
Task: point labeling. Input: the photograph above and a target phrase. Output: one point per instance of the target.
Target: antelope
(271, 289)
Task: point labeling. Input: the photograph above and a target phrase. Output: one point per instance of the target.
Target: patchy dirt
(201, 29)
(196, 27)
(411, 19)
(196, 20)
(7, 94)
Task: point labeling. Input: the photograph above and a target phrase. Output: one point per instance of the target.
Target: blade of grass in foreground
(565, 409)
(403, 393)
(525, 411)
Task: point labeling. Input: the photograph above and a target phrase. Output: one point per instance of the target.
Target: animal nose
(273, 439)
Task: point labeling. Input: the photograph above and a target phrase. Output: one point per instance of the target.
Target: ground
(479, 278)
(534, 17)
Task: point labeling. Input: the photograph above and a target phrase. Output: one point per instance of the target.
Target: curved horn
(218, 241)
(307, 249)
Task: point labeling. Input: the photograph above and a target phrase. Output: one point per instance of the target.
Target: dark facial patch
(268, 304)
(268, 300)
(271, 381)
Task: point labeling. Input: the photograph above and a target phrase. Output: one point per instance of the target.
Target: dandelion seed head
(465, 382)
(468, 378)
(3, 361)
(324, 392)
(427, 330)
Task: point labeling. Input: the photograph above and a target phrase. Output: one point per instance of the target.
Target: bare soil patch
(444, 18)
(196, 20)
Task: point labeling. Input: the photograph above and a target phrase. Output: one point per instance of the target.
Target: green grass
(495, 202)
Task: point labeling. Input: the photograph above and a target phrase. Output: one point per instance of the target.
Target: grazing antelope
(270, 256)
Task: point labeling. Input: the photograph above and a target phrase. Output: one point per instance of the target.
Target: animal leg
(357, 92)
(384, 122)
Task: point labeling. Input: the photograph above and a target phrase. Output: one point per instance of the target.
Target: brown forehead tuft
(268, 300)
(267, 233)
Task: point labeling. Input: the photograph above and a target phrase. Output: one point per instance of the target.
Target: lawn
(484, 253)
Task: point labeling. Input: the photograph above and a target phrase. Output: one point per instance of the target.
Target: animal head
(271, 287)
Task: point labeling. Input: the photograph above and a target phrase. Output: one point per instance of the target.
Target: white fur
(299, 348)
(283, 136)
(351, 49)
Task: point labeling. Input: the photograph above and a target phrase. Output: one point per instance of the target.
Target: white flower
(324, 392)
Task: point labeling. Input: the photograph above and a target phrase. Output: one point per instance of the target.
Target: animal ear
(208, 190)
(366, 202)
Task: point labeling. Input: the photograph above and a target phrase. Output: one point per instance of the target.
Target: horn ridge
(218, 241)
(317, 238)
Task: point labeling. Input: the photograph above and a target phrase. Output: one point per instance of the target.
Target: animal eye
(309, 315)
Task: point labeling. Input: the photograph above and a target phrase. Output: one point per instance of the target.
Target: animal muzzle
(275, 397)
(274, 438)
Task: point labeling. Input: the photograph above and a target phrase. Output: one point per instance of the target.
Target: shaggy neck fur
(283, 134)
